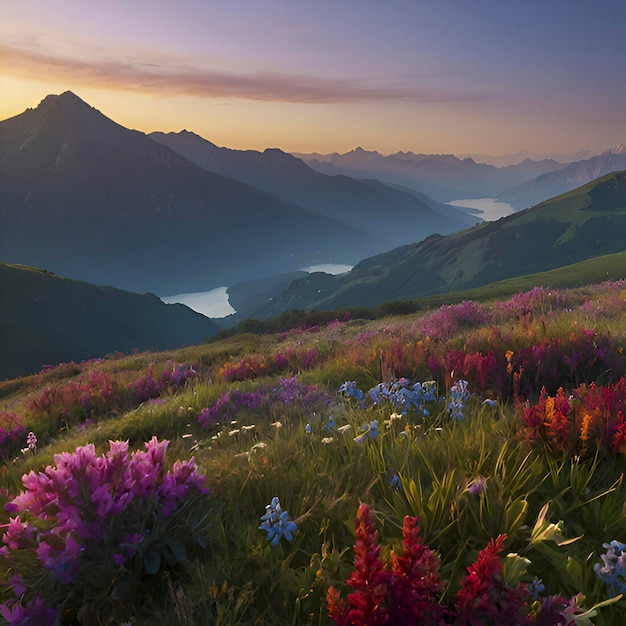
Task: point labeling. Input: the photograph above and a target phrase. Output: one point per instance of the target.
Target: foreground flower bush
(588, 420)
(407, 588)
(91, 534)
(403, 591)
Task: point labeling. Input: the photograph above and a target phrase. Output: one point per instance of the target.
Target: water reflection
(489, 209)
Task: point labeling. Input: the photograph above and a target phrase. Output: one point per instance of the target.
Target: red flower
(403, 592)
(485, 597)
(415, 581)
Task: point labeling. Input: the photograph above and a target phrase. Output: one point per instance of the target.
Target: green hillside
(46, 319)
(591, 271)
(582, 224)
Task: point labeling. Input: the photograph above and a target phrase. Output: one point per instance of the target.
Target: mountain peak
(66, 99)
(67, 115)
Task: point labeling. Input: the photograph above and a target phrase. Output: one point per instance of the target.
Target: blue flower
(308, 428)
(459, 390)
(277, 523)
(350, 389)
(371, 430)
(459, 394)
(613, 572)
(536, 588)
(403, 395)
(331, 424)
(394, 481)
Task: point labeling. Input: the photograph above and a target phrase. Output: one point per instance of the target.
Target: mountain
(387, 216)
(445, 177)
(46, 319)
(563, 180)
(89, 199)
(513, 158)
(585, 223)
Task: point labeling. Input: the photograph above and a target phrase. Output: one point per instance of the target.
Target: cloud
(169, 78)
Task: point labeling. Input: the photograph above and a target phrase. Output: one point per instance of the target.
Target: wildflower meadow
(461, 465)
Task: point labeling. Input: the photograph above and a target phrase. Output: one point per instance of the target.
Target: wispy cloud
(173, 78)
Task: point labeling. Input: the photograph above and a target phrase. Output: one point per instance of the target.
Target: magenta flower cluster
(78, 508)
(12, 433)
(172, 377)
(447, 321)
(288, 391)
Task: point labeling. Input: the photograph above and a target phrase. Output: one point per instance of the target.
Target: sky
(427, 76)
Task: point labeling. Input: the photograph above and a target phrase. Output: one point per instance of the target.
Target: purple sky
(428, 76)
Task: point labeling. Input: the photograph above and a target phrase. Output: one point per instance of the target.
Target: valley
(313, 313)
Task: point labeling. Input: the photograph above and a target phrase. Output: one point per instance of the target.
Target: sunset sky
(431, 76)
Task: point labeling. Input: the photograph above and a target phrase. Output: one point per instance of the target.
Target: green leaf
(152, 561)
(513, 568)
(515, 514)
(177, 549)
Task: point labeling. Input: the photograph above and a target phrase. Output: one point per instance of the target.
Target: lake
(329, 268)
(488, 209)
(214, 303)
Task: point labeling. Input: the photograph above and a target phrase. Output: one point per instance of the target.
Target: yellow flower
(585, 426)
(508, 354)
(549, 410)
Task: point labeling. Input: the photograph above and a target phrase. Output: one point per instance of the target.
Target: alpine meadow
(313, 314)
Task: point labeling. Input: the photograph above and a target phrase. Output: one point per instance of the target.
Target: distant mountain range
(89, 199)
(46, 319)
(502, 160)
(585, 223)
(447, 177)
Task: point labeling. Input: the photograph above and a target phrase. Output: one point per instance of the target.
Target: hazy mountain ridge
(524, 183)
(445, 177)
(386, 215)
(584, 223)
(45, 318)
(127, 211)
(565, 179)
(514, 158)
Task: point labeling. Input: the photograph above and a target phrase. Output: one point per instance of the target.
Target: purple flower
(477, 486)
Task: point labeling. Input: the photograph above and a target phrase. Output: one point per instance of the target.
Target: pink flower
(12, 612)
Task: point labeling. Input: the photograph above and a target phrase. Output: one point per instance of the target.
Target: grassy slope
(581, 224)
(591, 271)
(321, 484)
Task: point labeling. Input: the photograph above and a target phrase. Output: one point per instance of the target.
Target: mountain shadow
(46, 319)
(89, 199)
